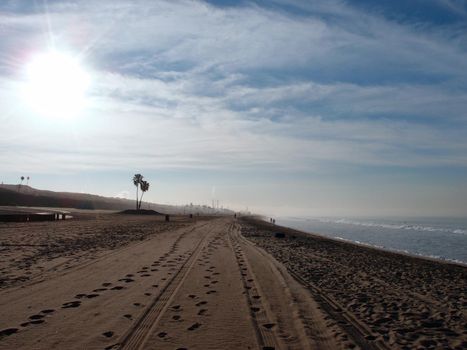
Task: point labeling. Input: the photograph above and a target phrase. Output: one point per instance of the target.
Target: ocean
(439, 238)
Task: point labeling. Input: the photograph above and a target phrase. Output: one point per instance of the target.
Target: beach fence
(27, 217)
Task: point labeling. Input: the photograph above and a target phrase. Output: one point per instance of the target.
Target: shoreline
(402, 301)
(366, 245)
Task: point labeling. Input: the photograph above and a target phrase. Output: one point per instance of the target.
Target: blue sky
(285, 107)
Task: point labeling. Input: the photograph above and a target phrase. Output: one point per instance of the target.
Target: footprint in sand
(176, 307)
(128, 316)
(269, 325)
(37, 322)
(176, 317)
(192, 296)
(106, 284)
(8, 331)
(137, 304)
(91, 296)
(147, 294)
(256, 297)
(36, 317)
(201, 303)
(155, 286)
(202, 312)
(194, 326)
(117, 288)
(99, 289)
(255, 309)
(71, 304)
(108, 334)
(79, 296)
(161, 334)
(126, 280)
(48, 311)
(211, 292)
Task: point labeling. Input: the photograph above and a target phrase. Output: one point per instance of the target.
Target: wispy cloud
(185, 84)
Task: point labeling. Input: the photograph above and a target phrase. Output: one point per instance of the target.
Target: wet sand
(129, 282)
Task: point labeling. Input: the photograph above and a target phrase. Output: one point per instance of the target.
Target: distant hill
(14, 195)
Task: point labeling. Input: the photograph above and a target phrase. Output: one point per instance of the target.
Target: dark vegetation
(36, 198)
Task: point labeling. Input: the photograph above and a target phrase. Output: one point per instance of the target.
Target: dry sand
(109, 281)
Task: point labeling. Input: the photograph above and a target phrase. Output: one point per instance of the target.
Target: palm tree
(22, 179)
(144, 188)
(27, 181)
(137, 178)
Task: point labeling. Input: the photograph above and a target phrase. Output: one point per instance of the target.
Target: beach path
(200, 286)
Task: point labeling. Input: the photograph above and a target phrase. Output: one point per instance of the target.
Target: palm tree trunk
(137, 206)
(141, 199)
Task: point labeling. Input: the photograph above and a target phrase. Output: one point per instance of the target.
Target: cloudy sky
(286, 107)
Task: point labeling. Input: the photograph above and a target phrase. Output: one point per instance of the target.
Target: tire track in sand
(136, 337)
(264, 328)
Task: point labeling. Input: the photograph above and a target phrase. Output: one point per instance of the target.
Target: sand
(110, 281)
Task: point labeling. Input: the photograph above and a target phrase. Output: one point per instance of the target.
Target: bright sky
(286, 107)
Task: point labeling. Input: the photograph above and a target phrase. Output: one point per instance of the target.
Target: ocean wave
(403, 251)
(397, 226)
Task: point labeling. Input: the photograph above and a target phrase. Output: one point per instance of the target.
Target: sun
(56, 85)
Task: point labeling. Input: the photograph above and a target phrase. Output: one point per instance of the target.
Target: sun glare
(56, 85)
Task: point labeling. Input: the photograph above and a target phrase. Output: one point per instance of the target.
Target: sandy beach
(108, 281)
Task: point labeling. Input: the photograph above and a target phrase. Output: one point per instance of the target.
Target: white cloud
(178, 85)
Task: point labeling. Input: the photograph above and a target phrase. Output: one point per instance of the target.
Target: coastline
(382, 249)
(403, 301)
